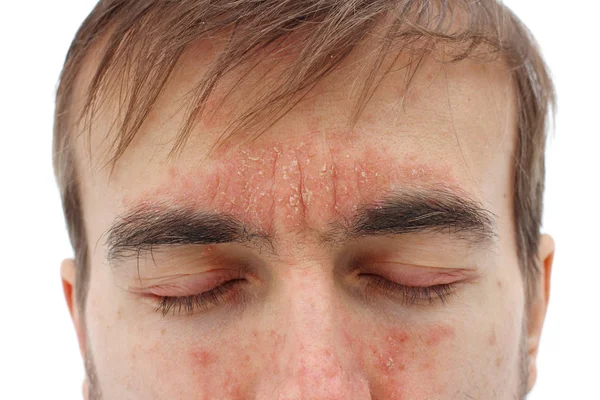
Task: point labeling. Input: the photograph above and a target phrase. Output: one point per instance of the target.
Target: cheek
(506, 340)
(234, 365)
(395, 361)
(189, 371)
(216, 376)
(399, 361)
(226, 369)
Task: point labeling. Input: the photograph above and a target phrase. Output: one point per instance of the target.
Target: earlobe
(539, 305)
(68, 277)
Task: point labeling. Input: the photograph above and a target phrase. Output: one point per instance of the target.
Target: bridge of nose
(312, 355)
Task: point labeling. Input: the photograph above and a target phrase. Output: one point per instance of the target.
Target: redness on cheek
(297, 183)
(213, 377)
(394, 361)
(399, 347)
(390, 354)
(203, 358)
(438, 334)
(399, 360)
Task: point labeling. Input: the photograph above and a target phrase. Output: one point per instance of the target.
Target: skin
(305, 324)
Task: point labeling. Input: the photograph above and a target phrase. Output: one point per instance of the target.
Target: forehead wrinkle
(270, 184)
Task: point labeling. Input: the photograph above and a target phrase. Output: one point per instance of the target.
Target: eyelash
(409, 295)
(201, 301)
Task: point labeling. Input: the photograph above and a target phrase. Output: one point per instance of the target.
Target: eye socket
(409, 295)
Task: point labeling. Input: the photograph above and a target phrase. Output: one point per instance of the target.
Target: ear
(68, 277)
(539, 305)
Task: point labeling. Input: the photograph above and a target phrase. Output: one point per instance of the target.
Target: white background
(39, 357)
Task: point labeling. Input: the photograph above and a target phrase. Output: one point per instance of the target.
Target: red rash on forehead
(297, 183)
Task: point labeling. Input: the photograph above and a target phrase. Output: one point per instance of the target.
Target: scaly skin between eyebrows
(300, 184)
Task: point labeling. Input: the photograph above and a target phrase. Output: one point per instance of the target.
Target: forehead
(453, 126)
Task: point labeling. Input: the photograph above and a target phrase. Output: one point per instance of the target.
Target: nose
(311, 355)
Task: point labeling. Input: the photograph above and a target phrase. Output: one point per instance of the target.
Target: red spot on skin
(395, 355)
(204, 358)
(426, 366)
(438, 334)
(276, 346)
(232, 386)
(391, 352)
(329, 372)
(492, 339)
(499, 283)
(398, 338)
(349, 341)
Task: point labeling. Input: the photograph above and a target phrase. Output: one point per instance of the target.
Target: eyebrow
(432, 210)
(146, 227)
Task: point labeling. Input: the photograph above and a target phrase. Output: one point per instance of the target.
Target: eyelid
(418, 276)
(187, 284)
(166, 264)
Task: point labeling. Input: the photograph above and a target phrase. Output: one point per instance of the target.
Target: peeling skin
(298, 184)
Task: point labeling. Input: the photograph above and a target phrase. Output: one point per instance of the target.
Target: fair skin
(314, 307)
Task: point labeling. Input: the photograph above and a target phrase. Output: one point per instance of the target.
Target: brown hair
(141, 41)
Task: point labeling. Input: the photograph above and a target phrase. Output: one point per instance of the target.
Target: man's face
(313, 262)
